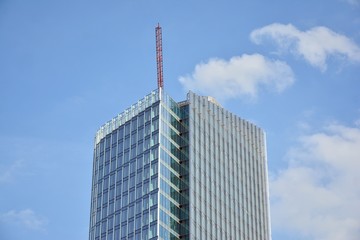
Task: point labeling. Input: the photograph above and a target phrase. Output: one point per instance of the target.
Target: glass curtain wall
(140, 180)
(125, 186)
(187, 170)
(174, 177)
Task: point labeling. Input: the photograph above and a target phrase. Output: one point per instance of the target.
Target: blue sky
(67, 67)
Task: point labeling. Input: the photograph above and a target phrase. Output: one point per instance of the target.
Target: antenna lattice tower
(159, 57)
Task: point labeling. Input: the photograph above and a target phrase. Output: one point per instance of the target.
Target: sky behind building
(67, 67)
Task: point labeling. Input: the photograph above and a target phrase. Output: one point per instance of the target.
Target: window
(125, 171)
(117, 219)
(113, 152)
(138, 190)
(107, 143)
(137, 224)
(131, 211)
(140, 147)
(134, 124)
(155, 111)
(110, 223)
(133, 152)
(107, 168)
(155, 139)
(113, 164)
(145, 218)
(146, 158)
(153, 199)
(127, 128)
(140, 133)
(124, 215)
(132, 181)
(104, 212)
(121, 133)
(126, 156)
(123, 230)
(117, 204)
(146, 173)
(147, 115)
(140, 119)
(117, 234)
(132, 195)
(153, 214)
(102, 146)
(112, 179)
(114, 137)
(119, 175)
(133, 138)
(154, 168)
(120, 146)
(138, 207)
(147, 143)
(106, 183)
(139, 162)
(146, 202)
(125, 200)
(145, 234)
(153, 183)
(155, 124)
(107, 155)
(154, 153)
(127, 142)
(147, 129)
(131, 226)
(139, 177)
(125, 185)
(146, 188)
(132, 166)
(112, 193)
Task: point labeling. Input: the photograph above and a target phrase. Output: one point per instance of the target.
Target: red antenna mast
(159, 57)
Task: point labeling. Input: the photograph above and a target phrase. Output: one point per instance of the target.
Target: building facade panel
(227, 174)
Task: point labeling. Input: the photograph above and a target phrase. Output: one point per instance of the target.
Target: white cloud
(353, 2)
(316, 45)
(7, 173)
(318, 195)
(26, 218)
(240, 76)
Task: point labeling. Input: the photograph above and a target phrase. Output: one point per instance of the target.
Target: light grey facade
(187, 170)
(228, 174)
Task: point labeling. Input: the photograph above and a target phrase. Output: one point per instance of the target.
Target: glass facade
(188, 170)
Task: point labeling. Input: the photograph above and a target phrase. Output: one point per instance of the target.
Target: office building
(179, 170)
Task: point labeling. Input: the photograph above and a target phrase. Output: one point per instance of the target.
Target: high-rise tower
(179, 170)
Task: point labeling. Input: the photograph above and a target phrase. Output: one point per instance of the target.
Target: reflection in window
(147, 129)
(146, 202)
(153, 228)
(153, 199)
(145, 218)
(147, 143)
(146, 188)
(153, 214)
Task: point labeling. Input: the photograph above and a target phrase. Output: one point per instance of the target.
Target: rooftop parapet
(126, 115)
